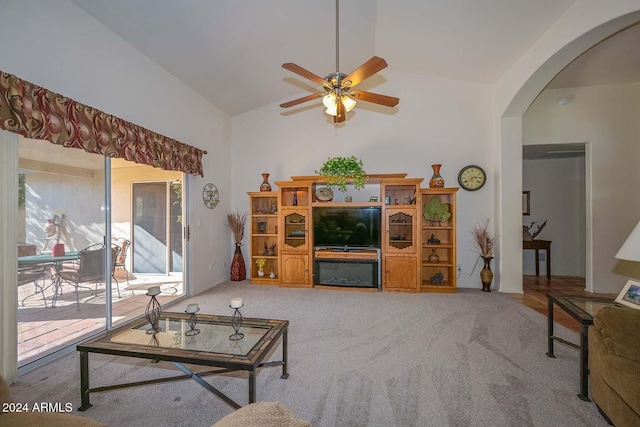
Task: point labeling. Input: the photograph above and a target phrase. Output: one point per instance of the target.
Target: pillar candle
(154, 290)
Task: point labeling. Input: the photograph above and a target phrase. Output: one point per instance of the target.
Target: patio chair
(36, 275)
(115, 255)
(90, 269)
(121, 259)
(32, 274)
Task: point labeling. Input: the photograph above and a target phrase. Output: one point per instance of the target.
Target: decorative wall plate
(324, 194)
(210, 196)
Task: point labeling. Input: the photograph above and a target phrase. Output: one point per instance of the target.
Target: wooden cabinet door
(294, 234)
(295, 270)
(400, 230)
(400, 274)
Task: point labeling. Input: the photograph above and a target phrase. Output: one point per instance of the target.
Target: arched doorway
(576, 32)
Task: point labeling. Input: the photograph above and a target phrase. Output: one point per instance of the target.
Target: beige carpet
(357, 359)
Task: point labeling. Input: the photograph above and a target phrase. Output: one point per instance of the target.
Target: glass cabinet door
(400, 235)
(295, 235)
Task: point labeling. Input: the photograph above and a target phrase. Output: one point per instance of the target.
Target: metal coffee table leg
(84, 381)
(550, 329)
(285, 355)
(584, 364)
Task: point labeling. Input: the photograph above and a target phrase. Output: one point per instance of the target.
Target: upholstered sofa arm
(620, 331)
(614, 364)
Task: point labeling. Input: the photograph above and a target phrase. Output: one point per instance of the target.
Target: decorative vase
(272, 275)
(486, 275)
(436, 181)
(433, 258)
(260, 273)
(238, 269)
(265, 186)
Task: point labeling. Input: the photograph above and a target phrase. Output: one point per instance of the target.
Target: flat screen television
(347, 226)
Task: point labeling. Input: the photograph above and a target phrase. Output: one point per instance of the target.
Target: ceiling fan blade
(304, 73)
(364, 71)
(342, 114)
(301, 100)
(360, 95)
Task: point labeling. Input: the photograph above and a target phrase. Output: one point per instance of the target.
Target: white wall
(557, 189)
(56, 45)
(437, 121)
(606, 117)
(584, 24)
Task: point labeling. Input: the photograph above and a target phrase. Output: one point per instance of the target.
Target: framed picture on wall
(630, 294)
(526, 203)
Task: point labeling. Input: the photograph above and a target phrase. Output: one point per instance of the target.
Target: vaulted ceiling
(231, 51)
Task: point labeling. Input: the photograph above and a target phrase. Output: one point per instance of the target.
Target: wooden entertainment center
(414, 254)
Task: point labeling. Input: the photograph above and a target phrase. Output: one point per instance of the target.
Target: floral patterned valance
(35, 112)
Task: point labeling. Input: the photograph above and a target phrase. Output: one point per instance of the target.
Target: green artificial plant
(339, 170)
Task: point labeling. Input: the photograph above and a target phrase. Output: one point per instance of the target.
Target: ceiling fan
(339, 95)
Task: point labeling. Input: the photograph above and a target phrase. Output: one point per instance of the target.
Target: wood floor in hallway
(535, 295)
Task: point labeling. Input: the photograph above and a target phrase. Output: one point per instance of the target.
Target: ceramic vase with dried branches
(236, 222)
(484, 242)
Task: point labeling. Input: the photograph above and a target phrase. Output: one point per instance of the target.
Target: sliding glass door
(61, 222)
(150, 251)
(157, 230)
(60, 225)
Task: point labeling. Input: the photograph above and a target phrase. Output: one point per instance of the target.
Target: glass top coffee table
(211, 347)
(582, 308)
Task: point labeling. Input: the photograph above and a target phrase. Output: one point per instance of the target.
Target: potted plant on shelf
(236, 221)
(339, 170)
(261, 262)
(484, 242)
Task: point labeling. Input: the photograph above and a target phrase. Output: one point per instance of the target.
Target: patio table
(55, 262)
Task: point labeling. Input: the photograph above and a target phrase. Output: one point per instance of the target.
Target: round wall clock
(472, 178)
(210, 196)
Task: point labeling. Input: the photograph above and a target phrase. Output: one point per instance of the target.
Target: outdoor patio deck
(42, 330)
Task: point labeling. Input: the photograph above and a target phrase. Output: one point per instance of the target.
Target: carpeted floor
(357, 359)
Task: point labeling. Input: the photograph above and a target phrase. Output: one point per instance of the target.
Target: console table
(537, 245)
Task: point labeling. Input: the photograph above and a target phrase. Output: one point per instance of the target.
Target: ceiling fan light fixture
(329, 101)
(348, 103)
(339, 87)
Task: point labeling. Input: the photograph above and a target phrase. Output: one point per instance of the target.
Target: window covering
(35, 112)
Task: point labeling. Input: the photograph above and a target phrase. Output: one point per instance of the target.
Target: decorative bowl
(324, 194)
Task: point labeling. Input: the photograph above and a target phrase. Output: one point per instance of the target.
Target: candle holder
(154, 341)
(236, 323)
(152, 313)
(192, 321)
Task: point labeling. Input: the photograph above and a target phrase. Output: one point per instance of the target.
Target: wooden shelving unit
(264, 235)
(438, 239)
(295, 238)
(400, 240)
